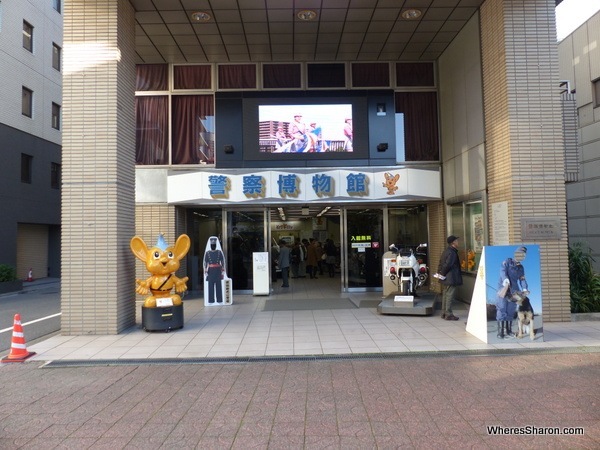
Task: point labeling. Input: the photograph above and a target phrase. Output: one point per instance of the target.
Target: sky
(570, 14)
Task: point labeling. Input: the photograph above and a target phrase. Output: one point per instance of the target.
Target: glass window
(282, 76)
(56, 5)
(474, 234)
(364, 249)
(27, 102)
(415, 74)
(55, 116)
(246, 232)
(421, 138)
(237, 76)
(326, 75)
(457, 228)
(467, 221)
(55, 175)
(27, 36)
(56, 51)
(370, 75)
(152, 130)
(193, 129)
(152, 77)
(596, 91)
(26, 167)
(192, 77)
(407, 226)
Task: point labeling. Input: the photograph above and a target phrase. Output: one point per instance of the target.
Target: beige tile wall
(437, 240)
(97, 289)
(524, 140)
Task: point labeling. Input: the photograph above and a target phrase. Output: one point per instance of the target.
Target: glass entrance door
(245, 235)
(364, 248)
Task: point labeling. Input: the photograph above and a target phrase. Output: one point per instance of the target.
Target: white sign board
(261, 274)
(500, 228)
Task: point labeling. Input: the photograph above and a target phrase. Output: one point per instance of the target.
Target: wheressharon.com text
(496, 430)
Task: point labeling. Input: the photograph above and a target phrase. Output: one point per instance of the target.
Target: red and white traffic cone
(18, 349)
(30, 275)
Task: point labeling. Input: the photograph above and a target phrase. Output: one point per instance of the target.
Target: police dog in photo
(524, 315)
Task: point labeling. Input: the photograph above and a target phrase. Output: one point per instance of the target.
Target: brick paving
(240, 377)
(354, 403)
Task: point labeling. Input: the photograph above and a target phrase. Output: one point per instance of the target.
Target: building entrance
(245, 234)
(355, 238)
(363, 244)
(313, 233)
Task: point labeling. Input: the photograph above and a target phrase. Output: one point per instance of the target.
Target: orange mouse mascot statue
(162, 262)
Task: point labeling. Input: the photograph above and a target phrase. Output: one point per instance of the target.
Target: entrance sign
(215, 186)
(541, 228)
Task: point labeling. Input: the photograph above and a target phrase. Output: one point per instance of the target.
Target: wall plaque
(540, 228)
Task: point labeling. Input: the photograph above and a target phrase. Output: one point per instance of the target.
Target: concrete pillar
(98, 185)
(523, 127)
(437, 240)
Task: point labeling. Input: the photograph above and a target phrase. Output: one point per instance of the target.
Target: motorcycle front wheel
(405, 288)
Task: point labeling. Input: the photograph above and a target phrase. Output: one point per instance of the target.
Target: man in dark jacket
(450, 276)
(284, 262)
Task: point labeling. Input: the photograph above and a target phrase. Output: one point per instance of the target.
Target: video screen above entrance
(305, 128)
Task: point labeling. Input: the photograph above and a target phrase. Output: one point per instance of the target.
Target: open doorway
(313, 235)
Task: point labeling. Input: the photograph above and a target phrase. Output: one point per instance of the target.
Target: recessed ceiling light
(411, 14)
(200, 16)
(306, 14)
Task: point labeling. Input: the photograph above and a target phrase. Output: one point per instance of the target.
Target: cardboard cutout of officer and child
(507, 300)
(217, 285)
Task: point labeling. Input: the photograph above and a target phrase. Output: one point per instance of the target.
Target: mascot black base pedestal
(162, 318)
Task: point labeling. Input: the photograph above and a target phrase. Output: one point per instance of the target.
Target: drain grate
(302, 358)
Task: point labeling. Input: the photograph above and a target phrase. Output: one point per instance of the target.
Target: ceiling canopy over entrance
(222, 31)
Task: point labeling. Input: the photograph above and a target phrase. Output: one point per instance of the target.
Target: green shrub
(584, 283)
(7, 273)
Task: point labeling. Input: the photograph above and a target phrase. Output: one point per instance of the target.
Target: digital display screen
(305, 128)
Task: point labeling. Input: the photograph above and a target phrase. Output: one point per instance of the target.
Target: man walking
(450, 276)
(303, 254)
(284, 262)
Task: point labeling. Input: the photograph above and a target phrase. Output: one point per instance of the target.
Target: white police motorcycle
(409, 272)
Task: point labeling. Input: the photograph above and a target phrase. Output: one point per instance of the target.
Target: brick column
(98, 185)
(523, 127)
(437, 240)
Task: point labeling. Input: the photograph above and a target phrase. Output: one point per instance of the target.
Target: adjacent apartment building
(30, 135)
(579, 61)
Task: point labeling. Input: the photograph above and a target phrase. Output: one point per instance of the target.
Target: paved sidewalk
(246, 330)
(355, 403)
(241, 377)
